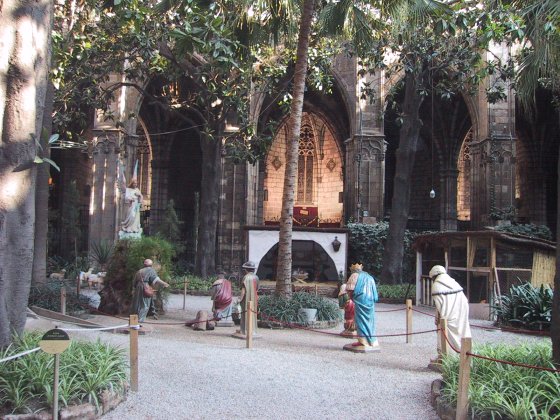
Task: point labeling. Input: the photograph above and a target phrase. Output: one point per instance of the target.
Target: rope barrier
(505, 362)
(423, 313)
(15, 356)
(95, 329)
(391, 310)
(515, 330)
(301, 327)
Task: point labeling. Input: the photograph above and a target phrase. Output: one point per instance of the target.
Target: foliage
(170, 228)
(194, 283)
(47, 296)
(366, 244)
(71, 215)
(86, 369)
(280, 308)
(525, 305)
(530, 230)
(507, 213)
(129, 256)
(396, 291)
(101, 253)
(56, 263)
(498, 390)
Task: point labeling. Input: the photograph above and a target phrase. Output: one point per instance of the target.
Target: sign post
(55, 342)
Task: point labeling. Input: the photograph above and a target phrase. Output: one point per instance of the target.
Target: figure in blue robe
(362, 289)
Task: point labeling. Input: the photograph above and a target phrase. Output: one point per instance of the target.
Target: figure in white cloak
(452, 304)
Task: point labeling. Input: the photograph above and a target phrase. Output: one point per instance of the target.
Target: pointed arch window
(306, 163)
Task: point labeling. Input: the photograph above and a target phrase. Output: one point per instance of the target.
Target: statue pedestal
(349, 333)
(227, 322)
(362, 349)
(130, 235)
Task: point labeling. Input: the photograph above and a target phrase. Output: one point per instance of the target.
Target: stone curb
(108, 400)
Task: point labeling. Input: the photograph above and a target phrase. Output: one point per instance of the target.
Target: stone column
(104, 192)
(448, 199)
(365, 176)
(493, 178)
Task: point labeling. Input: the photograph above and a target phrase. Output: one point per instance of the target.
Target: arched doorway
(307, 256)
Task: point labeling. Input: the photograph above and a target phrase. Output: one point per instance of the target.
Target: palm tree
(284, 271)
(541, 63)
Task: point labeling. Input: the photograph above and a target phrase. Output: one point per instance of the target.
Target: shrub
(497, 390)
(86, 369)
(56, 263)
(525, 305)
(396, 291)
(129, 255)
(279, 308)
(533, 231)
(47, 296)
(366, 244)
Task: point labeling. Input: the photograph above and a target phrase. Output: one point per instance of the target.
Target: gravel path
(288, 374)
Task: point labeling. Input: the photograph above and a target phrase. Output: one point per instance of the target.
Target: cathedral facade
(477, 163)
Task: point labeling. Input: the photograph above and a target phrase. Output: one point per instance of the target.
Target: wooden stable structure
(486, 264)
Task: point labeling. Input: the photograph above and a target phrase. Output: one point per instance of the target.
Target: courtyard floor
(288, 374)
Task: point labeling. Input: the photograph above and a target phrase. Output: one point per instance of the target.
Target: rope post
(316, 290)
(133, 325)
(185, 293)
(464, 378)
(63, 300)
(408, 320)
(249, 325)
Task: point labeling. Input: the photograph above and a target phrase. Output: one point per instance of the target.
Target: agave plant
(101, 252)
(525, 305)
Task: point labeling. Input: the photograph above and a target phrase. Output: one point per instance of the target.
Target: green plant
(101, 252)
(366, 244)
(129, 255)
(279, 308)
(498, 390)
(86, 369)
(525, 305)
(396, 291)
(48, 296)
(506, 213)
(530, 230)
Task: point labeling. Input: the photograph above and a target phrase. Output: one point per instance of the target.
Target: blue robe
(364, 297)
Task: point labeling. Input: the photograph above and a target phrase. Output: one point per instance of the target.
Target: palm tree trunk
(555, 321)
(409, 133)
(284, 272)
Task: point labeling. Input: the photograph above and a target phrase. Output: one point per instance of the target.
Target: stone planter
(308, 315)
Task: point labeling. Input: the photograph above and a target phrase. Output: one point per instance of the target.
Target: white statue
(130, 224)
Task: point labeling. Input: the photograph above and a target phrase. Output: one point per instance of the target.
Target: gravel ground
(288, 374)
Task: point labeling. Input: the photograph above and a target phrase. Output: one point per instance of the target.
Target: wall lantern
(336, 244)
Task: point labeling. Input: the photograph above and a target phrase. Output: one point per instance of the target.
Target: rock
(201, 321)
(78, 412)
(110, 399)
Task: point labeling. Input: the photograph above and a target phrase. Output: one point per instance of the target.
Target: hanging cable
(432, 191)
